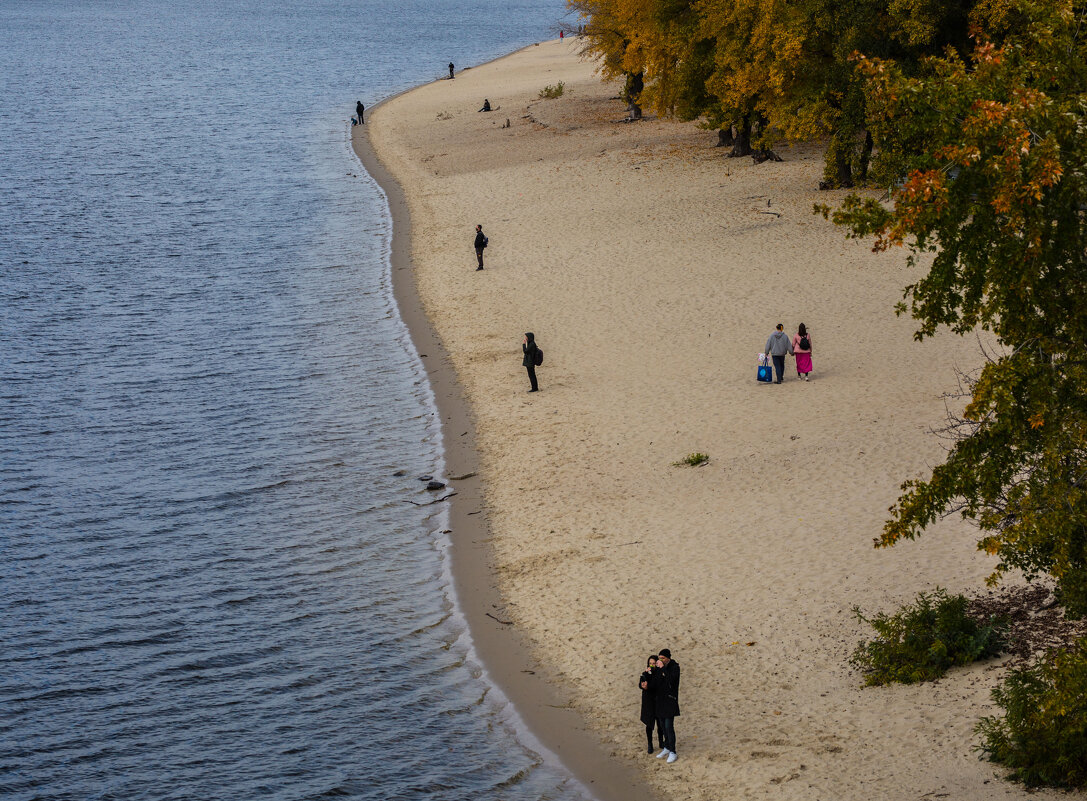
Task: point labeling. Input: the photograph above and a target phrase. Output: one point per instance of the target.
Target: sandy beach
(652, 269)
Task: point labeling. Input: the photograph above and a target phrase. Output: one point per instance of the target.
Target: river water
(212, 584)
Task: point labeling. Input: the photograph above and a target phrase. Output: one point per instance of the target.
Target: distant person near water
(664, 682)
(649, 706)
(486, 105)
(481, 242)
(533, 359)
(776, 347)
(802, 349)
(451, 69)
(360, 110)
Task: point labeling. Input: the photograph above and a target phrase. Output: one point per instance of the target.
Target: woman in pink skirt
(802, 349)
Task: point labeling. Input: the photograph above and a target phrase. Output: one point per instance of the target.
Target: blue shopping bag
(766, 373)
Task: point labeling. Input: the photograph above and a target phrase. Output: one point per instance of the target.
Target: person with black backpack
(481, 242)
(533, 358)
(802, 349)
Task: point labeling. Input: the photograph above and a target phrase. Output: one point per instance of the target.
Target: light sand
(646, 265)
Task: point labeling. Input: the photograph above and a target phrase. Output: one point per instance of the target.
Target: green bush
(921, 641)
(553, 91)
(1042, 737)
(693, 459)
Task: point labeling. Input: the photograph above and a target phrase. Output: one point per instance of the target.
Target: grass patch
(1042, 737)
(550, 92)
(692, 460)
(922, 640)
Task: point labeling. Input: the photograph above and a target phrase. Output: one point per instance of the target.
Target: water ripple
(212, 585)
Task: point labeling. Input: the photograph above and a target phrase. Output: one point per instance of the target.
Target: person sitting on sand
(649, 706)
(777, 346)
(486, 105)
(665, 686)
(802, 349)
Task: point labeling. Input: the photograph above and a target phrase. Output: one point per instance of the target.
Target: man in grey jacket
(777, 346)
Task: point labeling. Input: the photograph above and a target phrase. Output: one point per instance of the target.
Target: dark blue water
(212, 586)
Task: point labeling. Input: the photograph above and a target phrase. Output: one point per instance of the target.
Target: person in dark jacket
(665, 686)
(450, 69)
(481, 242)
(528, 347)
(360, 110)
(486, 105)
(649, 706)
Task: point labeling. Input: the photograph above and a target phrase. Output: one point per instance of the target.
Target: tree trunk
(838, 165)
(866, 157)
(741, 145)
(845, 169)
(765, 154)
(633, 92)
(725, 137)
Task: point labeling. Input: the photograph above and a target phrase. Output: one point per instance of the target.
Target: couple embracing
(660, 702)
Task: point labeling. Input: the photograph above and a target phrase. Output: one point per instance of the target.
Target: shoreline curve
(506, 653)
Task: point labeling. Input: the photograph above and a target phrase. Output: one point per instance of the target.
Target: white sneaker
(663, 753)
(672, 756)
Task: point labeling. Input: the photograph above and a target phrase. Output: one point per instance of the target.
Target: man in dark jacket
(481, 242)
(529, 348)
(360, 110)
(665, 686)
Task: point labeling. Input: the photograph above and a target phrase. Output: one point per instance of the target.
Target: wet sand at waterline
(652, 269)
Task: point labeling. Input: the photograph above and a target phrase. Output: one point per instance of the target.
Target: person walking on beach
(649, 706)
(532, 358)
(665, 686)
(481, 242)
(451, 70)
(776, 347)
(802, 349)
(360, 110)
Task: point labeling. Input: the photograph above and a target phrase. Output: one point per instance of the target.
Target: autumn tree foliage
(770, 69)
(987, 160)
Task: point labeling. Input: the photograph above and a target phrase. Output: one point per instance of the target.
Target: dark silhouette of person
(480, 244)
(360, 110)
(665, 687)
(486, 105)
(450, 69)
(528, 347)
(649, 706)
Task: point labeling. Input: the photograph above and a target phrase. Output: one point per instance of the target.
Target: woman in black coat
(528, 347)
(649, 705)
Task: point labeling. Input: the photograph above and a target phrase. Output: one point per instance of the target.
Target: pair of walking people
(660, 702)
(779, 345)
